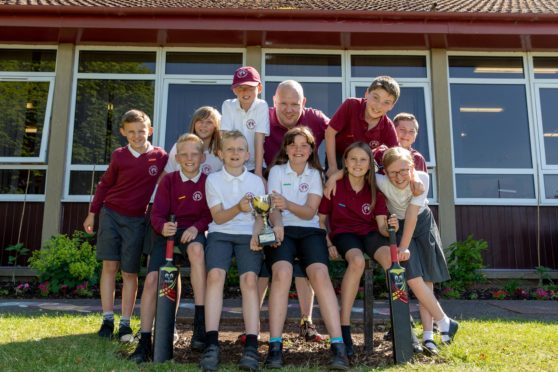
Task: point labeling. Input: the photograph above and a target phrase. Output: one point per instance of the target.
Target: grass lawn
(69, 343)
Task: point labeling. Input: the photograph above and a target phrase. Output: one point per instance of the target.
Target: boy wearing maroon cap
(121, 199)
(363, 119)
(181, 193)
(248, 114)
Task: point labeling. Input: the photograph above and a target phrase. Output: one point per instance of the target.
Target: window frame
(526, 82)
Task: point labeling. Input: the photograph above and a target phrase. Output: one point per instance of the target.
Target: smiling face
(288, 105)
(234, 152)
(399, 173)
(299, 150)
(246, 94)
(204, 128)
(189, 156)
(406, 133)
(378, 103)
(357, 162)
(137, 133)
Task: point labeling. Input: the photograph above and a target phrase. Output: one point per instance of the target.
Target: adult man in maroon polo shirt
(287, 112)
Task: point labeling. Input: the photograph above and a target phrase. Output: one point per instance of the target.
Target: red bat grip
(170, 241)
(392, 243)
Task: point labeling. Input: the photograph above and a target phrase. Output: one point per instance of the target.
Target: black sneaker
(250, 360)
(388, 336)
(274, 359)
(107, 329)
(143, 352)
(210, 358)
(198, 337)
(339, 360)
(350, 349)
(125, 334)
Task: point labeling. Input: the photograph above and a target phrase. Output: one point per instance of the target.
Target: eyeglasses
(403, 173)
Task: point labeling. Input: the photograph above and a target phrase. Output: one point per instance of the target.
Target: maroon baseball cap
(246, 75)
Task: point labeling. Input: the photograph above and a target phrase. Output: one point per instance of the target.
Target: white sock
(444, 324)
(427, 335)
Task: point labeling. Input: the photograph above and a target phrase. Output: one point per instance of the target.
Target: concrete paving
(458, 309)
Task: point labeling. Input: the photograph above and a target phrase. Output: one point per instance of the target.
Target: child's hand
(254, 244)
(279, 231)
(332, 250)
(279, 201)
(403, 254)
(330, 187)
(244, 204)
(89, 223)
(189, 234)
(331, 171)
(393, 221)
(417, 187)
(169, 229)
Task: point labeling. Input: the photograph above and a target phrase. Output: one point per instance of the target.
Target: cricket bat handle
(170, 241)
(392, 244)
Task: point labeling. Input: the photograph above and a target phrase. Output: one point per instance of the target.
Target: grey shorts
(221, 248)
(157, 257)
(120, 238)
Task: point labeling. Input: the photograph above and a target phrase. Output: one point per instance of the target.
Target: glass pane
(203, 63)
(14, 181)
(322, 96)
(411, 100)
(549, 111)
(546, 67)
(486, 67)
(551, 186)
(183, 100)
(27, 60)
(99, 106)
(303, 65)
(431, 188)
(490, 126)
(397, 66)
(117, 62)
(498, 186)
(22, 108)
(81, 181)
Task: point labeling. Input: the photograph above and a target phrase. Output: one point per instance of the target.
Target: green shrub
(66, 262)
(464, 262)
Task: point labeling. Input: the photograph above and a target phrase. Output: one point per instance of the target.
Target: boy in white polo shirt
(228, 194)
(248, 114)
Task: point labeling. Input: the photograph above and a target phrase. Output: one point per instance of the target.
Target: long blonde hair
(396, 153)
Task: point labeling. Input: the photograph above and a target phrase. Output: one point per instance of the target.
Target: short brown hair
(189, 137)
(232, 134)
(405, 116)
(388, 84)
(135, 116)
(208, 112)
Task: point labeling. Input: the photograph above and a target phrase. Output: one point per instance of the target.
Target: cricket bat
(166, 305)
(399, 305)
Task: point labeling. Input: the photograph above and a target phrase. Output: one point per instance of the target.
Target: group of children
(208, 182)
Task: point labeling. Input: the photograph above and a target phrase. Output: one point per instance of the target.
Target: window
(108, 84)
(26, 90)
(492, 145)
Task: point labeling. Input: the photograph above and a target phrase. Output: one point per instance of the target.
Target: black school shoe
(430, 347)
(250, 360)
(143, 352)
(417, 347)
(198, 337)
(453, 327)
(274, 359)
(210, 358)
(339, 360)
(107, 329)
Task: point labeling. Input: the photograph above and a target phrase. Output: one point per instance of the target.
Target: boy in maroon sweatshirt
(181, 193)
(121, 199)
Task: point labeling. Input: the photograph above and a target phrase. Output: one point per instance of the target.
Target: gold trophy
(262, 206)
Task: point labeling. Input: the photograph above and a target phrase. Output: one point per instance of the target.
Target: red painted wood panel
(10, 217)
(511, 233)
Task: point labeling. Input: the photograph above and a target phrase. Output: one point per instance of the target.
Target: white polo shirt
(223, 188)
(284, 180)
(399, 199)
(255, 120)
(211, 164)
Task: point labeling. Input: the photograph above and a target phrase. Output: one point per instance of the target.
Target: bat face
(168, 283)
(398, 285)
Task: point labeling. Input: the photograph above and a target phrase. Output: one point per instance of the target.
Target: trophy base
(267, 239)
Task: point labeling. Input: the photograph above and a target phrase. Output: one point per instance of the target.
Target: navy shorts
(221, 248)
(157, 257)
(368, 244)
(120, 238)
(308, 244)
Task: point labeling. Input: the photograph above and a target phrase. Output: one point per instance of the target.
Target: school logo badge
(206, 169)
(251, 124)
(197, 196)
(153, 170)
(366, 209)
(241, 73)
(303, 187)
(373, 144)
